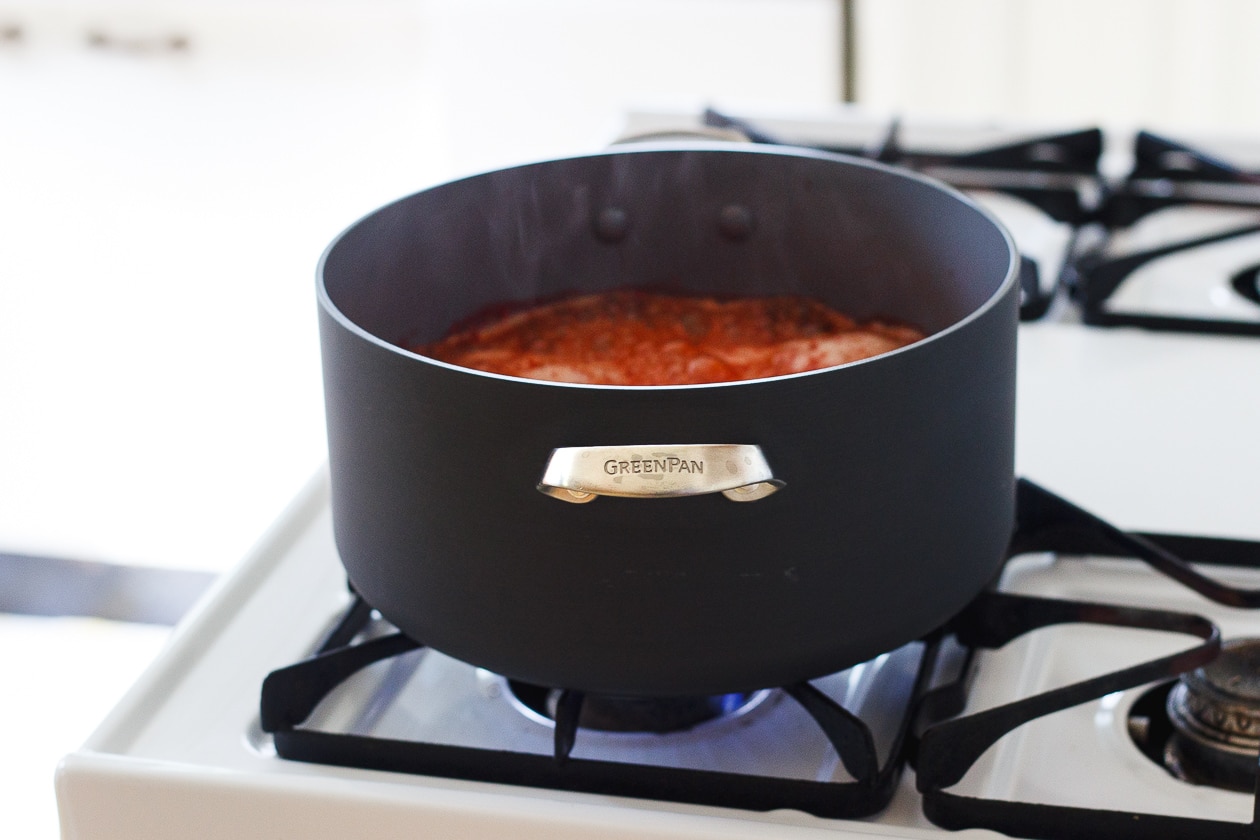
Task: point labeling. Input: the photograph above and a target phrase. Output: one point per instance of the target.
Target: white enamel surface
(1192, 285)
(1153, 431)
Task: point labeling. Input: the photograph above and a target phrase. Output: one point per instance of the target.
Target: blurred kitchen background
(172, 169)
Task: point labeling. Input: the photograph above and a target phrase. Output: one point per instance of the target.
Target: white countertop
(163, 216)
(159, 369)
(164, 211)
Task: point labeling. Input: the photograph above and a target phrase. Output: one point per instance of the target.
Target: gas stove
(1150, 429)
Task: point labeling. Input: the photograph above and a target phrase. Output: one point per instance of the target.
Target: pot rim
(1010, 279)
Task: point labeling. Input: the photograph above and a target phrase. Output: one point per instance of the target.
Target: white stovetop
(1152, 431)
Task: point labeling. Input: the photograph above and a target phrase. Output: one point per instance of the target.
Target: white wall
(1189, 64)
(522, 80)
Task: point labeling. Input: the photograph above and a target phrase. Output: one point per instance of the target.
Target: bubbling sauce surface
(632, 337)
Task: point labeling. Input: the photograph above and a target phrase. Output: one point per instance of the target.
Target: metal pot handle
(579, 474)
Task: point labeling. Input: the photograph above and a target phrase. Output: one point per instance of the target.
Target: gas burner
(1204, 728)
(608, 713)
(1215, 716)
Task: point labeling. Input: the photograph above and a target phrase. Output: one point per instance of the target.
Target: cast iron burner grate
(1168, 174)
(1057, 174)
(291, 694)
(932, 737)
(949, 745)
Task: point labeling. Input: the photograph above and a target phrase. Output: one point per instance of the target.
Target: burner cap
(1215, 713)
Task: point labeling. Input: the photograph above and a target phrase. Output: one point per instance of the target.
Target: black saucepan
(736, 535)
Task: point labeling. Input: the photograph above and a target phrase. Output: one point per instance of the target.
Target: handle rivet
(735, 222)
(611, 224)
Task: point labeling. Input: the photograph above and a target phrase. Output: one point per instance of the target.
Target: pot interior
(724, 221)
